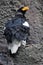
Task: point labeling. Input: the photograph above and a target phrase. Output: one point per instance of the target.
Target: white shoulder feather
(26, 24)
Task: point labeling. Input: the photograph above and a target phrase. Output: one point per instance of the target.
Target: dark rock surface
(32, 54)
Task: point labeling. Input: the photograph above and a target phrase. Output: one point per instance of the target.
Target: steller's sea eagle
(16, 31)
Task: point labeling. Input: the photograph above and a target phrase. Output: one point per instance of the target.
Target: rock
(32, 54)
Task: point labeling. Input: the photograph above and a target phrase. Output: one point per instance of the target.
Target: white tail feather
(14, 46)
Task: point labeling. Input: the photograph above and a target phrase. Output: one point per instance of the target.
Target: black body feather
(15, 29)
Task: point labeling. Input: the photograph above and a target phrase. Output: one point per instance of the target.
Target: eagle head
(23, 9)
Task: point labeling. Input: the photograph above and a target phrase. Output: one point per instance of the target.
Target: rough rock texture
(32, 54)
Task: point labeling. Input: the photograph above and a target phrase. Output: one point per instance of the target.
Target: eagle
(16, 30)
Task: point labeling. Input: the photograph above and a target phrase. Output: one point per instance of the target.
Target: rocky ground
(32, 54)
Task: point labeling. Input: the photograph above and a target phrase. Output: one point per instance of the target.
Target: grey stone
(32, 54)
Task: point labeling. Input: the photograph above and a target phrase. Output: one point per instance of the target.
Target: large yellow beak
(25, 8)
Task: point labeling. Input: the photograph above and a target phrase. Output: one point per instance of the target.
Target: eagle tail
(14, 47)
